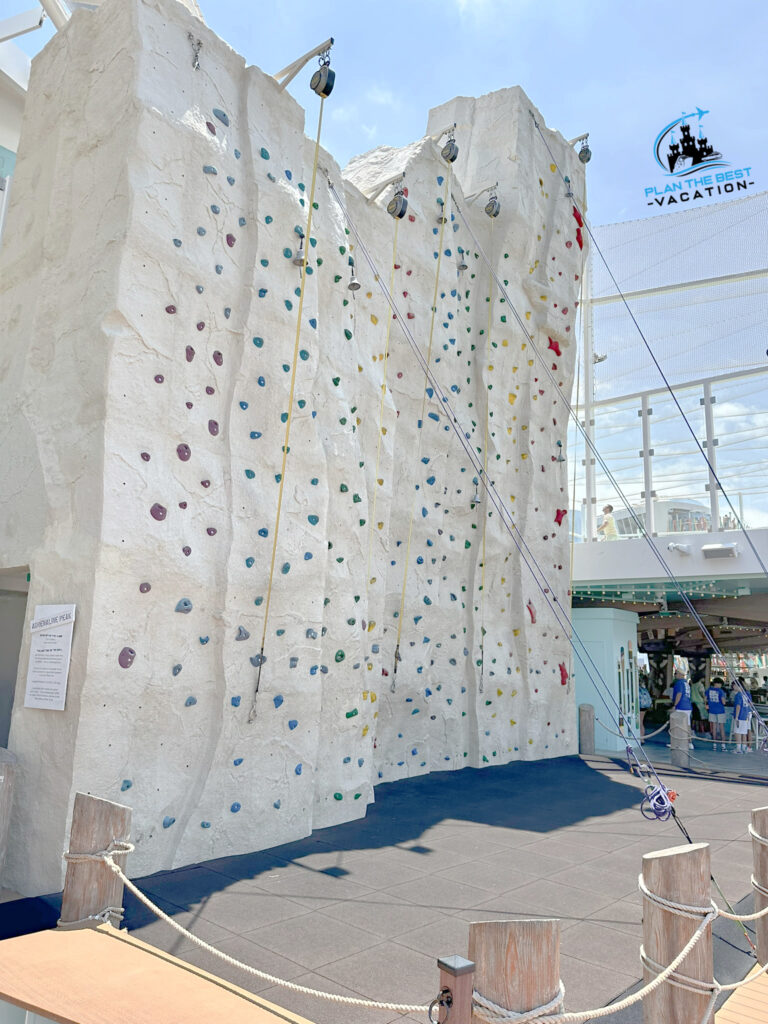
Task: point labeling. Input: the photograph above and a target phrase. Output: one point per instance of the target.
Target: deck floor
(747, 1005)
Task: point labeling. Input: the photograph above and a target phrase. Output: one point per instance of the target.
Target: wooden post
(586, 729)
(458, 975)
(518, 962)
(679, 738)
(681, 874)
(8, 769)
(90, 886)
(760, 871)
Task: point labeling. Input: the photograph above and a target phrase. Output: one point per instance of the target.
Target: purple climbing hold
(159, 378)
(158, 512)
(182, 504)
(218, 358)
(210, 127)
(231, 240)
(125, 657)
(209, 390)
(213, 427)
(184, 452)
(211, 531)
(205, 483)
(201, 325)
(146, 456)
(144, 588)
(170, 309)
(187, 550)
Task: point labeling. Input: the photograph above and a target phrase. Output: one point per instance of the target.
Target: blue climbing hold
(242, 633)
(190, 702)
(126, 785)
(235, 807)
(221, 116)
(277, 701)
(184, 606)
(168, 821)
(235, 701)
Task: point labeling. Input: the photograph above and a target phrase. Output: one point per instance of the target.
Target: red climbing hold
(563, 675)
(531, 611)
(577, 217)
(170, 309)
(579, 239)
(560, 515)
(411, 218)
(410, 316)
(555, 346)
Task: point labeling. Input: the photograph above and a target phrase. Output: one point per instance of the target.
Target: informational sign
(50, 649)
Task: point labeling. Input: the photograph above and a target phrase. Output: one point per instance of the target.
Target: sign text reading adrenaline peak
(699, 187)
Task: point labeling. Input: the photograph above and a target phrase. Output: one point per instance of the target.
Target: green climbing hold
(340, 656)
(343, 488)
(264, 153)
(337, 278)
(287, 253)
(342, 249)
(467, 544)
(303, 354)
(347, 334)
(338, 796)
(258, 342)
(335, 381)
(285, 568)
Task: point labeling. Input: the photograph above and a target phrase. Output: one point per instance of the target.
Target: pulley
(568, 189)
(354, 284)
(585, 153)
(397, 205)
(493, 207)
(461, 263)
(298, 259)
(450, 151)
(475, 500)
(323, 80)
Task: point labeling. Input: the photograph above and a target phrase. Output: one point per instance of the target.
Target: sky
(619, 70)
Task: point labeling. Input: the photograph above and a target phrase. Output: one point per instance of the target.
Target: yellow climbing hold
(512, 398)
(512, 721)
(365, 730)
(374, 319)
(371, 625)
(528, 315)
(552, 168)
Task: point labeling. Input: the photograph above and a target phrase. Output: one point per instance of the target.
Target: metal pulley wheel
(323, 80)
(450, 151)
(493, 207)
(397, 206)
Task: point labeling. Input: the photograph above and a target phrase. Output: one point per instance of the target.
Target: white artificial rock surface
(100, 388)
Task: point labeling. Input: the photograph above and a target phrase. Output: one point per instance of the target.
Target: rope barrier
(491, 1012)
(289, 420)
(624, 736)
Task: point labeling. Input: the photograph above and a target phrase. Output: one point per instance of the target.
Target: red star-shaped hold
(560, 515)
(555, 346)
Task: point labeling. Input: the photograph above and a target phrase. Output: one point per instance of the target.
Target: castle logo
(678, 151)
(685, 154)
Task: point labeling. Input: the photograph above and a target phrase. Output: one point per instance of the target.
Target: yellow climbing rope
(289, 418)
(381, 414)
(443, 220)
(486, 512)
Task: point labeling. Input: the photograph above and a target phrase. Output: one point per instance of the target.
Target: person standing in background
(681, 698)
(699, 699)
(608, 525)
(716, 710)
(742, 712)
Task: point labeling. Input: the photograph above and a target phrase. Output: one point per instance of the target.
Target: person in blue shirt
(681, 698)
(742, 712)
(716, 708)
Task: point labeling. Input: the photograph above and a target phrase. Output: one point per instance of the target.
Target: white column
(710, 444)
(588, 349)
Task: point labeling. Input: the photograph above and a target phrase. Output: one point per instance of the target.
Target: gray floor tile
(245, 907)
(530, 862)
(440, 893)
(314, 939)
(321, 1011)
(491, 877)
(389, 972)
(312, 888)
(443, 937)
(588, 986)
(163, 936)
(595, 877)
(593, 943)
(377, 869)
(383, 914)
(241, 948)
(623, 916)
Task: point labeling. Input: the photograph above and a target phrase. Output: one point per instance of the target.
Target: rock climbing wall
(153, 295)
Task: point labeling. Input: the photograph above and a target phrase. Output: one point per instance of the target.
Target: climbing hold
(184, 606)
(125, 657)
(221, 116)
(158, 512)
(257, 660)
(242, 633)
(184, 452)
(144, 588)
(190, 702)
(168, 821)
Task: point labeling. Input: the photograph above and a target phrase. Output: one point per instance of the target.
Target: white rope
(758, 887)
(109, 915)
(629, 737)
(489, 1011)
(756, 835)
(118, 847)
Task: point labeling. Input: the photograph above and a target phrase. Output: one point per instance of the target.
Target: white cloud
(380, 96)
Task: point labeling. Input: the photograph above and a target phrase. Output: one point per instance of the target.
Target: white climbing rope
(489, 1011)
